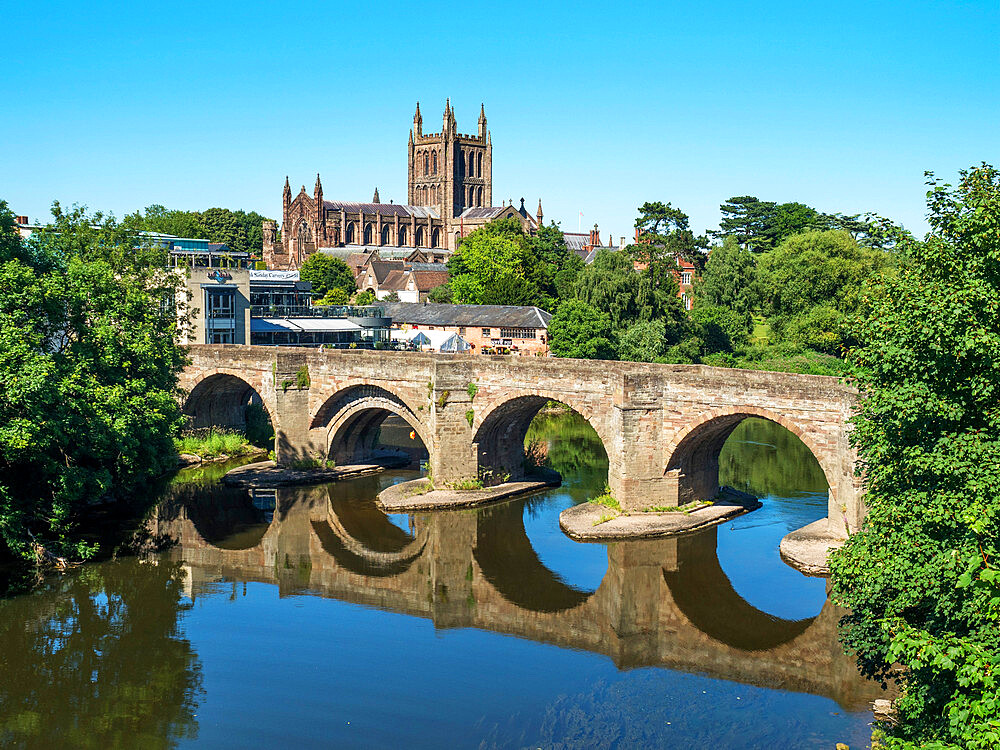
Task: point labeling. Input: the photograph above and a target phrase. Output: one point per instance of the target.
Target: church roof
(385, 209)
(483, 212)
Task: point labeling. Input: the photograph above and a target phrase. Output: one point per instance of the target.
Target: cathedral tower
(450, 171)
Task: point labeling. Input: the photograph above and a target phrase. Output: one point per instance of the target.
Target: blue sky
(593, 107)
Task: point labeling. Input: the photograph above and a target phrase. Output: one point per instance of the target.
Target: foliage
(302, 377)
(334, 297)
(472, 389)
(611, 284)
(781, 357)
(921, 577)
(607, 500)
(367, 297)
(239, 230)
(440, 294)
(721, 329)
(729, 279)
(325, 273)
(492, 267)
(391, 297)
(470, 416)
(815, 269)
(643, 342)
(88, 373)
(213, 444)
(664, 234)
(578, 330)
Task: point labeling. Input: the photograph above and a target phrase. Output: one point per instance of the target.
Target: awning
(299, 325)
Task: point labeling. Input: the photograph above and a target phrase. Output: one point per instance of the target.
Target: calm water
(307, 618)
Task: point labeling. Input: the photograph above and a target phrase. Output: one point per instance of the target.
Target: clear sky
(593, 107)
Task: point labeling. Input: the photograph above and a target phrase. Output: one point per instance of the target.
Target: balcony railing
(317, 311)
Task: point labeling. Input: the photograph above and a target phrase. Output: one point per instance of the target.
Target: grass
(685, 509)
(215, 443)
(418, 489)
(467, 484)
(607, 500)
(604, 519)
(305, 464)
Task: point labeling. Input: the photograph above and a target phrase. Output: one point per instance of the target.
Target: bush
(721, 329)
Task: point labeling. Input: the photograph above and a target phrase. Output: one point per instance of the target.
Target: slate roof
(483, 212)
(427, 266)
(386, 209)
(505, 316)
(427, 280)
(382, 269)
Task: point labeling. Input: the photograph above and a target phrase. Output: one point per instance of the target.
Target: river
(307, 618)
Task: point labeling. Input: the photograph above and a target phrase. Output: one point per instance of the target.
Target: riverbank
(808, 548)
(596, 522)
(420, 494)
(214, 446)
(269, 474)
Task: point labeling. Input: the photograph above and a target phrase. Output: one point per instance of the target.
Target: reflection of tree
(574, 449)
(96, 661)
(763, 458)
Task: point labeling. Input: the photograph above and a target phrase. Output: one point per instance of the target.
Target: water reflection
(96, 660)
(661, 603)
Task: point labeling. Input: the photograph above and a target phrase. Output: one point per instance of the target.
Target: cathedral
(449, 194)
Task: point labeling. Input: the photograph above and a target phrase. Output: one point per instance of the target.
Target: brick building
(489, 329)
(449, 195)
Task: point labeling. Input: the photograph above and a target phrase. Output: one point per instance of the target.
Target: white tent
(434, 341)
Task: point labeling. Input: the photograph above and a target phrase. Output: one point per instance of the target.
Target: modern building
(488, 329)
(235, 304)
(449, 195)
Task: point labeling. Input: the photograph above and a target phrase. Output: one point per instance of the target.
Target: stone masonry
(663, 426)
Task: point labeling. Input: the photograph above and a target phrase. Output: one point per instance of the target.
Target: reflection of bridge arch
(227, 518)
(693, 451)
(509, 562)
(220, 399)
(705, 596)
(352, 417)
(363, 540)
(501, 429)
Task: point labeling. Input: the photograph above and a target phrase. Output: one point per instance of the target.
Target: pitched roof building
(449, 195)
(489, 329)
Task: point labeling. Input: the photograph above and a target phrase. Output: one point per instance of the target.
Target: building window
(220, 304)
(687, 301)
(686, 277)
(517, 333)
(461, 330)
(220, 337)
(487, 331)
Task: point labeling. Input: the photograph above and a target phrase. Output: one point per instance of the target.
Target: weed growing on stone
(607, 500)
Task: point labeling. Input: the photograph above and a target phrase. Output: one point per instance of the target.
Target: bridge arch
(500, 431)
(351, 419)
(221, 398)
(693, 451)
(704, 595)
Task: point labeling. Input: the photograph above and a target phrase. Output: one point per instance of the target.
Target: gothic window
(479, 169)
(349, 234)
(436, 237)
(472, 164)
(419, 237)
(304, 245)
(427, 162)
(402, 235)
(368, 234)
(479, 197)
(435, 162)
(385, 235)
(461, 163)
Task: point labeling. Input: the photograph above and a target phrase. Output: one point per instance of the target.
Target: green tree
(664, 234)
(440, 294)
(816, 268)
(325, 273)
(761, 225)
(367, 297)
(730, 279)
(611, 284)
(334, 296)
(578, 330)
(645, 341)
(721, 329)
(921, 578)
(88, 373)
(493, 266)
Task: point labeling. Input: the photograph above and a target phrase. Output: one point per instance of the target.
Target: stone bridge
(663, 426)
(663, 603)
